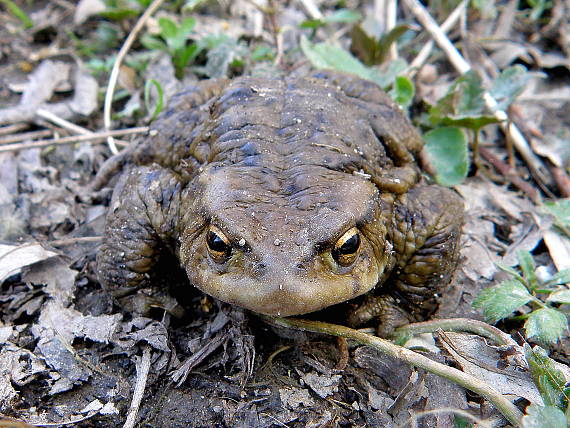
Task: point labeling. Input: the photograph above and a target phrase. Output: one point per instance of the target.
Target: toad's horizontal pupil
(350, 245)
(216, 243)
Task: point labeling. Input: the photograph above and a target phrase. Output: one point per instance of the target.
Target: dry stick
(511, 174)
(508, 409)
(311, 9)
(143, 367)
(116, 66)
(74, 139)
(391, 9)
(12, 129)
(425, 52)
(66, 124)
(423, 16)
(22, 136)
(271, 13)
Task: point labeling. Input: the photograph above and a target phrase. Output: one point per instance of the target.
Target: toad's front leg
(140, 228)
(425, 236)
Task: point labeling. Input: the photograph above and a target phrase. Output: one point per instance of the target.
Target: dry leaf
(14, 257)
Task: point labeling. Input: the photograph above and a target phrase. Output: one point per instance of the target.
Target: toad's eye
(218, 243)
(346, 248)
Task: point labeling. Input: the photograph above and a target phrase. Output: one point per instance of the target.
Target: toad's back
(283, 128)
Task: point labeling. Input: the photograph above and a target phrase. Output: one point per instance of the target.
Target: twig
(311, 9)
(423, 16)
(143, 367)
(459, 325)
(71, 241)
(23, 136)
(342, 346)
(508, 409)
(562, 181)
(425, 52)
(391, 9)
(74, 139)
(510, 174)
(68, 422)
(271, 13)
(117, 65)
(12, 129)
(66, 124)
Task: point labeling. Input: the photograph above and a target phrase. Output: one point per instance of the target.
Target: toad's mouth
(287, 297)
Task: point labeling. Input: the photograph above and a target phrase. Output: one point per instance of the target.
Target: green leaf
(118, 14)
(463, 105)
(346, 16)
(327, 56)
(562, 296)
(512, 272)
(486, 8)
(370, 50)
(160, 98)
(447, 150)
(502, 300)
(562, 277)
(548, 378)
(528, 268)
(153, 43)
(546, 325)
(560, 209)
(312, 23)
(392, 36)
(190, 5)
(403, 91)
(508, 85)
(18, 13)
(543, 417)
(262, 53)
(168, 29)
(186, 27)
(222, 52)
(461, 422)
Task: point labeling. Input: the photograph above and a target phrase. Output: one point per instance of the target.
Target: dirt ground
(70, 357)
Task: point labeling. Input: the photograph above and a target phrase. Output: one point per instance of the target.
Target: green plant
(345, 16)
(333, 57)
(544, 302)
(159, 104)
(18, 13)
(551, 383)
(560, 209)
(464, 106)
(222, 54)
(123, 9)
(538, 7)
(371, 50)
(173, 39)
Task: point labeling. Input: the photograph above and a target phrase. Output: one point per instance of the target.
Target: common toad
(286, 196)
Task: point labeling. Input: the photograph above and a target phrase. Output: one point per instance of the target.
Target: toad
(286, 196)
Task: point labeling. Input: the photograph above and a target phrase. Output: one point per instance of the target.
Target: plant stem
(508, 409)
(458, 324)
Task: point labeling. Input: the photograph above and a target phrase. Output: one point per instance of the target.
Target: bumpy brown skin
(284, 168)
